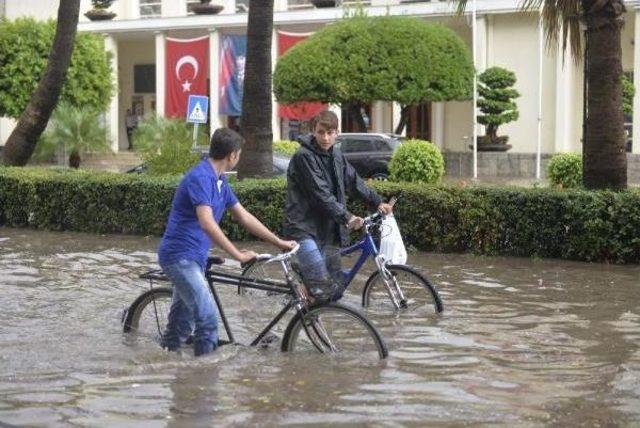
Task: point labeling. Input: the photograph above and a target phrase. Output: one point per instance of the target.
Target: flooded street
(521, 343)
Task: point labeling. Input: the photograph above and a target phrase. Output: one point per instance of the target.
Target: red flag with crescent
(186, 73)
(301, 110)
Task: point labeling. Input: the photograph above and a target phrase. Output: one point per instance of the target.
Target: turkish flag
(186, 73)
(301, 110)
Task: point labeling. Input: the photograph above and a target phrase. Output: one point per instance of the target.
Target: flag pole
(475, 90)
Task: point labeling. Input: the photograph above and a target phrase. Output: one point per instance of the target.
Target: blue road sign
(197, 109)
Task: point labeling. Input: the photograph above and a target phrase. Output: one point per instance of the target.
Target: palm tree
(22, 141)
(603, 149)
(255, 122)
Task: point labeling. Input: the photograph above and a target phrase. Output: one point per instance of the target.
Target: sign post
(197, 109)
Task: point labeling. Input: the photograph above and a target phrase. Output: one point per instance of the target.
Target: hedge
(569, 224)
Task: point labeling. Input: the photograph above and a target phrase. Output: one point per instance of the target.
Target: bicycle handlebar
(268, 258)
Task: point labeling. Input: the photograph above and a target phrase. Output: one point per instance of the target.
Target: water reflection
(522, 342)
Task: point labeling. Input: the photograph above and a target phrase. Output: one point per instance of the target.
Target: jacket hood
(309, 142)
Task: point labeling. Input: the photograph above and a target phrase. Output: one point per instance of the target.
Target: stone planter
(206, 8)
(325, 3)
(491, 147)
(100, 15)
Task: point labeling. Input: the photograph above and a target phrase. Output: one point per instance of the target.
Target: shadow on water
(521, 343)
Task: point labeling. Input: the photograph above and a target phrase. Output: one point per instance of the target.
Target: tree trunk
(404, 116)
(356, 115)
(33, 121)
(74, 159)
(257, 160)
(604, 154)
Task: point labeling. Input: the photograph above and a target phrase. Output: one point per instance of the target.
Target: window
(144, 79)
(353, 145)
(150, 8)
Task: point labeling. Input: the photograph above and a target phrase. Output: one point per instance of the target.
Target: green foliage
(166, 145)
(565, 170)
(628, 92)
(73, 130)
(496, 99)
(25, 45)
(569, 223)
(101, 4)
(285, 147)
(363, 59)
(417, 161)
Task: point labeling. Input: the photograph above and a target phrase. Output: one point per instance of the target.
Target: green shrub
(25, 45)
(285, 147)
(417, 161)
(166, 145)
(546, 222)
(496, 102)
(628, 92)
(565, 170)
(76, 131)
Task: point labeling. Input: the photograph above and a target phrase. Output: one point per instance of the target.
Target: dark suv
(369, 153)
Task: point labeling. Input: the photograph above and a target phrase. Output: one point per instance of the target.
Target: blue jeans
(321, 269)
(191, 306)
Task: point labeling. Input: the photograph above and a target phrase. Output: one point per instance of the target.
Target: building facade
(551, 87)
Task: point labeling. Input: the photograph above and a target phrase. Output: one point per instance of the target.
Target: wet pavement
(522, 342)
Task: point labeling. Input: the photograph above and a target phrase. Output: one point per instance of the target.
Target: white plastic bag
(391, 245)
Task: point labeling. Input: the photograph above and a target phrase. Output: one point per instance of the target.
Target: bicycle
(328, 327)
(398, 284)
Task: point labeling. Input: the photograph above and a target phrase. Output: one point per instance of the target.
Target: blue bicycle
(390, 285)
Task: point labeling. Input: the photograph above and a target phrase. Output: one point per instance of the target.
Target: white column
(113, 113)
(636, 82)
(437, 124)
(564, 96)
(338, 111)
(377, 116)
(214, 77)
(160, 72)
(134, 9)
(280, 5)
(396, 114)
(275, 119)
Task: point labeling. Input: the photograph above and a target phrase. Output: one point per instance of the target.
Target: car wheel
(380, 176)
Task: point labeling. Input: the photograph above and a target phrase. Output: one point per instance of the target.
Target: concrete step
(120, 161)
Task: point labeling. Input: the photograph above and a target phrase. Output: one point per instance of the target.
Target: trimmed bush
(417, 161)
(565, 170)
(285, 147)
(569, 223)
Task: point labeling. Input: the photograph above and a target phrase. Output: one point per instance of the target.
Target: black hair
(224, 141)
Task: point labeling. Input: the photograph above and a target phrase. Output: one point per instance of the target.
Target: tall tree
(255, 121)
(33, 121)
(603, 149)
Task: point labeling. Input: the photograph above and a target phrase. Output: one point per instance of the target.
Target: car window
(357, 145)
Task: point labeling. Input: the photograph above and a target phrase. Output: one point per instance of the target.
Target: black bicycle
(327, 327)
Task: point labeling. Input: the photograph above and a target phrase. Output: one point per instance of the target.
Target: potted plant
(206, 8)
(325, 3)
(74, 131)
(99, 11)
(496, 103)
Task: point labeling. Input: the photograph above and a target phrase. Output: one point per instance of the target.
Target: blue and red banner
(233, 54)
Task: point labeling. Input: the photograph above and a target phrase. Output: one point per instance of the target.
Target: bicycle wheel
(334, 328)
(147, 315)
(418, 291)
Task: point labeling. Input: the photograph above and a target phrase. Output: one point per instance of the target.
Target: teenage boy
(198, 205)
(318, 179)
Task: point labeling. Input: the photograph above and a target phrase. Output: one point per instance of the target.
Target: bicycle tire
(417, 289)
(147, 315)
(353, 333)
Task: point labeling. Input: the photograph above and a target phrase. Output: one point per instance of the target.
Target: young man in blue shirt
(198, 205)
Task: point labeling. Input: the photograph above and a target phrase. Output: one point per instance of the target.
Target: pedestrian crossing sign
(198, 106)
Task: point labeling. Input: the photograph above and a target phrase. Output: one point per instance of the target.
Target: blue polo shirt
(184, 238)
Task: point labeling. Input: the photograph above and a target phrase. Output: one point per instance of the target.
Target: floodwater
(521, 343)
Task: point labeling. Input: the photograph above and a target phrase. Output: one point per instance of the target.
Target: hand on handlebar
(287, 245)
(355, 222)
(386, 208)
(246, 256)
